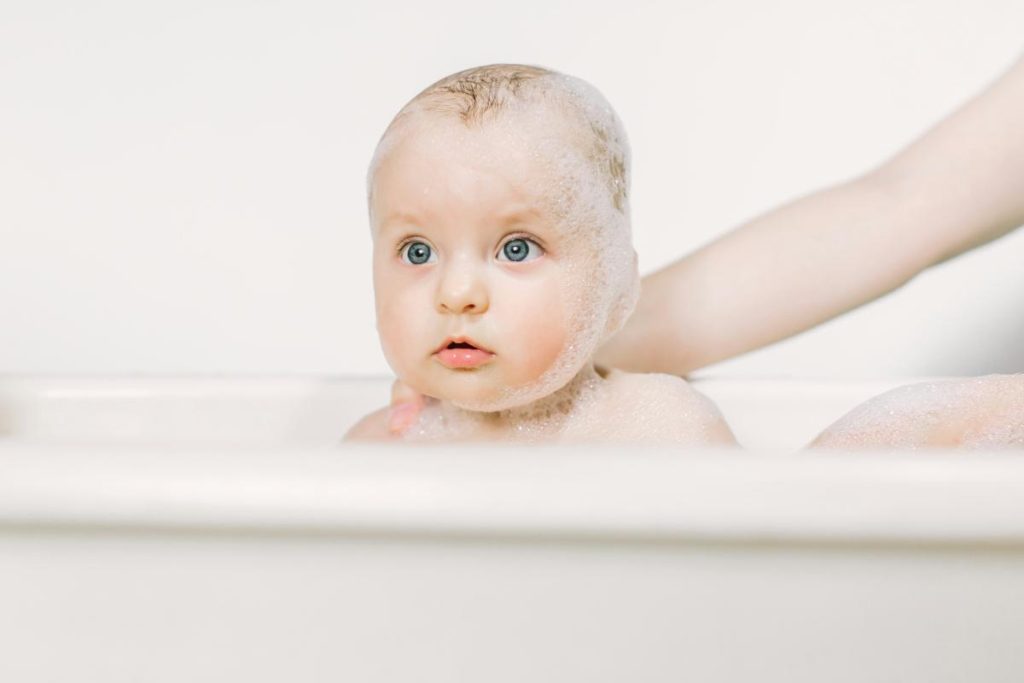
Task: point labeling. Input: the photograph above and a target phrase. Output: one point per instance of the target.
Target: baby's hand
(406, 404)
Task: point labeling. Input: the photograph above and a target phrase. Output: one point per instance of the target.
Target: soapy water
(581, 154)
(976, 413)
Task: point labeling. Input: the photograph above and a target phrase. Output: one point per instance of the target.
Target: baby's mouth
(460, 352)
(461, 343)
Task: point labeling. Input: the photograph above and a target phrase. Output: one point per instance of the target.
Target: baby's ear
(623, 305)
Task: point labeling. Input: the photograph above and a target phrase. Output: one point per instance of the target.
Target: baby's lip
(460, 340)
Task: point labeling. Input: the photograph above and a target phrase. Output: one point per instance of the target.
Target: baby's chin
(486, 404)
(491, 399)
(483, 400)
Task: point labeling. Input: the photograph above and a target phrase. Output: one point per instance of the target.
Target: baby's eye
(417, 253)
(518, 249)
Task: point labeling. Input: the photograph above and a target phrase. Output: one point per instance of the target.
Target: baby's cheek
(400, 337)
(542, 336)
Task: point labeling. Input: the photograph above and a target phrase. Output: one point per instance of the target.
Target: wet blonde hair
(475, 96)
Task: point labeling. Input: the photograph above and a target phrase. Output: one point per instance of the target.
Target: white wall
(181, 184)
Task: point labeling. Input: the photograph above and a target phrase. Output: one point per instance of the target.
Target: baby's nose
(462, 290)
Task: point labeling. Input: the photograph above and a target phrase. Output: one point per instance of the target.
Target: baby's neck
(550, 413)
(540, 420)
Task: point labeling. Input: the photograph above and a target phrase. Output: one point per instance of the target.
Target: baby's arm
(388, 424)
(983, 412)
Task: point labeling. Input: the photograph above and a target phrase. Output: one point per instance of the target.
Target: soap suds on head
(580, 147)
(574, 136)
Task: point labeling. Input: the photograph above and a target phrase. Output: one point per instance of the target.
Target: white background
(182, 183)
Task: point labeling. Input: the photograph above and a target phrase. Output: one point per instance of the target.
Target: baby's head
(499, 208)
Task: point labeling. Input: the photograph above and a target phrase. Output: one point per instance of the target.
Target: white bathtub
(212, 529)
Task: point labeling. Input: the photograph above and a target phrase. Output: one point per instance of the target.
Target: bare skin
(980, 412)
(960, 185)
(618, 413)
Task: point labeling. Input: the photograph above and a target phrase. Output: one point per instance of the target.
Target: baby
(502, 259)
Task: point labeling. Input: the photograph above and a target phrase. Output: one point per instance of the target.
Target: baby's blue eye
(518, 249)
(418, 253)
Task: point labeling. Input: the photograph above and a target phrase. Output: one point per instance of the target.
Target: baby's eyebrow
(403, 219)
(399, 219)
(519, 216)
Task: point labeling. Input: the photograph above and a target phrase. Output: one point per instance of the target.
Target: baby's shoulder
(669, 386)
(373, 427)
(669, 391)
(666, 405)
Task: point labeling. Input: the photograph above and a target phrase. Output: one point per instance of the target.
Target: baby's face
(465, 246)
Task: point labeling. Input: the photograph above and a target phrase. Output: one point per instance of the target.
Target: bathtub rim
(547, 492)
